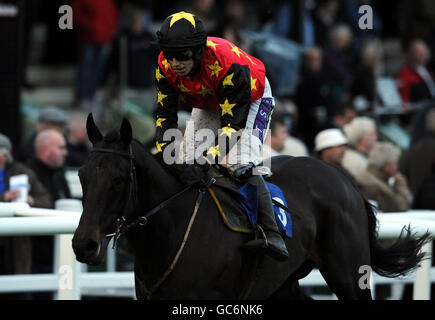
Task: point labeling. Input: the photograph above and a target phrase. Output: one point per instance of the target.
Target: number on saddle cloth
(249, 200)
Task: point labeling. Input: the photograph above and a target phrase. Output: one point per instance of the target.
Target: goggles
(178, 55)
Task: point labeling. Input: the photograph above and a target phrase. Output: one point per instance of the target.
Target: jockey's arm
(166, 109)
(234, 95)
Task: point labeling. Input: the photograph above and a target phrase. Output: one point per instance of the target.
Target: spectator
(418, 126)
(231, 22)
(49, 118)
(313, 97)
(50, 147)
(325, 17)
(415, 81)
(294, 147)
(16, 251)
(277, 135)
(339, 58)
(342, 116)
(382, 182)
(285, 23)
(37, 196)
(204, 10)
(362, 135)
(141, 53)
(364, 85)
(331, 145)
(96, 22)
(48, 163)
(419, 160)
(78, 145)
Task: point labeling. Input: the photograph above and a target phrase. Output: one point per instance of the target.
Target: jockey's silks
(227, 81)
(202, 91)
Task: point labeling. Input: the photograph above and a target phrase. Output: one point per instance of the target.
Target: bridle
(125, 222)
(130, 206)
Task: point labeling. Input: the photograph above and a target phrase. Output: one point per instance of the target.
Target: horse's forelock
(111, 137)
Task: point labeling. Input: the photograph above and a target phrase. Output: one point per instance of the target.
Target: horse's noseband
(121, 223)
(124, 224)
(132, 193)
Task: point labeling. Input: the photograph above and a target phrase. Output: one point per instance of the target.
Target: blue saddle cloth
(249, 200)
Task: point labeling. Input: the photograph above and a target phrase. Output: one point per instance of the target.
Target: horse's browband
(124, 154)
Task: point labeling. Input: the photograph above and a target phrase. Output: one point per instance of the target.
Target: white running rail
(70, 281)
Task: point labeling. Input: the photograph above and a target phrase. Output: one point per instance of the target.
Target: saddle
(235, 214)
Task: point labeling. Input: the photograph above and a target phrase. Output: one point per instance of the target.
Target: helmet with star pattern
(181, 36)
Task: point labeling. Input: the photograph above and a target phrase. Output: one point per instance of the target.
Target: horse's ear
(126, 132)
(94, 134)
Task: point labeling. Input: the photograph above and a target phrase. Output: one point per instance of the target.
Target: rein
(123, 224)
(201, 192)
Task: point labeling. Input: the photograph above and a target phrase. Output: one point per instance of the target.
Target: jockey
(229, 93)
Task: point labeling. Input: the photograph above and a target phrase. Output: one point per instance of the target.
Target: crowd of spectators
(330, 114)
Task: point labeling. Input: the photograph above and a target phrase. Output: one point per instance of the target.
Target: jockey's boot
(273, 245)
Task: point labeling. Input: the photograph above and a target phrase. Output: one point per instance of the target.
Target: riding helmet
(182, 36)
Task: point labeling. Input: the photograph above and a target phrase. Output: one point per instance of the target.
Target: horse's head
(106, 182)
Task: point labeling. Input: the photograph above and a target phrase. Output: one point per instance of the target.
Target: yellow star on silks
(214, 151)
(166, 64)
(226, 107)
(249, 58)
(159, 76)
(183, 88)
(159, 146)
(159, 122)
(253, 85)
(228, 131)
(236, 50)
(160, 97)
(228, 80)
(182, 15)
(211, 44)
(215, 68)
(204, 91)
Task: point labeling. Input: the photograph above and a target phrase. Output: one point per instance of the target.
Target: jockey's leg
(274, 243)
(192, 146)
(242, 162)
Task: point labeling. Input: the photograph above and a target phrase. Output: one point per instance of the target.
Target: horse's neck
(157, 183)
(160, 236)
(156, 244)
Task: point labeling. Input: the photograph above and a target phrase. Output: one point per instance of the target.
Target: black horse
(334, 229)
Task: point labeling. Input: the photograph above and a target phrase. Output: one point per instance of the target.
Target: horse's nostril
(91, 246)
(85, 247)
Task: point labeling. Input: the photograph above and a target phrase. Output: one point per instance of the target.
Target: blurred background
(324, 69)
(320, 63)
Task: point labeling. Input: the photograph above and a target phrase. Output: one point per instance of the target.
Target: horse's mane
(157, 159)
(142, 147)
(155, 163)
(112, 136)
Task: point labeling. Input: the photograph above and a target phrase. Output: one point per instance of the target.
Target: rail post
(422, 275)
